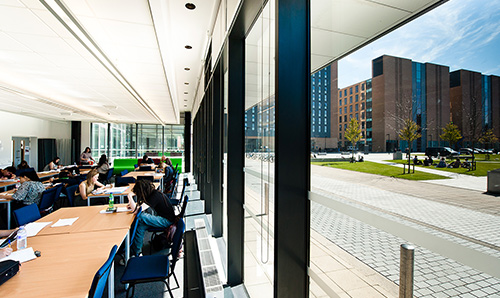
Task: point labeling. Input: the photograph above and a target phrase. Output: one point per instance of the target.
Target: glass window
(350, 99)
(350, 109)
(356, 107)
(340, 102)
(357, 89)
(340, 93)
(345, 92)
(356, 98)
(350, 90)
(345, 109)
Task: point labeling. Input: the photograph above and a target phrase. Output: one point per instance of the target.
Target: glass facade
(135, 140)
(320, 103)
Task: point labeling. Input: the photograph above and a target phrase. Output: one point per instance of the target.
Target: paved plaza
(460, 213)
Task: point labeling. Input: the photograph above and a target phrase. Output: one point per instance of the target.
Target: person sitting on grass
(416, 161)
(441, 164)
(456, 164)
(466, 164)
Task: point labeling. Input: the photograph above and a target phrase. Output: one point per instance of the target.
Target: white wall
(14, 125)
(85, 136)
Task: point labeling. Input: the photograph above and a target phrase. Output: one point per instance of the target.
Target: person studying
(30, 191)
(86, 157)
(52, 165)
(157, 201)
(87, 187)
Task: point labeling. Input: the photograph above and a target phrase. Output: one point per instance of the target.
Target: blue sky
(462, 34)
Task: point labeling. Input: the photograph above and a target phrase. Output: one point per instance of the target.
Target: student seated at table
(103, 168)
(66, 177)
(52, 165)
(8, 173)
(86, 157)
(30, 191)
(23, 165)
(164, 212)
(6, 250)
(146, 161)
(86, 187)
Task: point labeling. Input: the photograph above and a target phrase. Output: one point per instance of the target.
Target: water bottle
(22, 238)
(111, 202)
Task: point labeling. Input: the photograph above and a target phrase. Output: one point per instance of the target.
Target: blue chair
(20, 171)
(70, 193)
(124, 181)
(154, 268)
(175, 201)
(101, 277)
(27, 214)
(109, 175)
(132, 231)
(48, 199)
(184, 206)
(124, 172)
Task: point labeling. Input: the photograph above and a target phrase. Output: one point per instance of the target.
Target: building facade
(475, 104)
(403, 89)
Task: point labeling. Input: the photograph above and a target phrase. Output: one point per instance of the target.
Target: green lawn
(379, 169)
(482, 166)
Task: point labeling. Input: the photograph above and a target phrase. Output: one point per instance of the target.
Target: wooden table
(6, 198)
(4, 184)
(48, 174)
(120, 195)
(71, 255)
(156, 176)
(67, 265)
(89, 220)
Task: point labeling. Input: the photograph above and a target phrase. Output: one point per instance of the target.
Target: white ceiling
(134, 72)
(47, 72)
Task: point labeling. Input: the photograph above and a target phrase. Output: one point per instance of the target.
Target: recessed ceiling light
(185, 100)
(188, 47)
(190, 6)
(186, 83)
(185, 92)
(185, 106)
(187, 68)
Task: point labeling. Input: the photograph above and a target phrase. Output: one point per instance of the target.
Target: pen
(9, 244)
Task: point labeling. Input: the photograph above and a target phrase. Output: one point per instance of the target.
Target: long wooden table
(66, 267)
(71, 255)
(158, 177)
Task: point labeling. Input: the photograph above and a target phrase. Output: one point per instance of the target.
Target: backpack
(165, 239)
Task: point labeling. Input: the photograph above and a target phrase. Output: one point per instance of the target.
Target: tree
(353, 134)
(451, 133)
(488, 137)
(409, 132)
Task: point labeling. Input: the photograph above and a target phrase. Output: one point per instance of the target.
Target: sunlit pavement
(461, 215)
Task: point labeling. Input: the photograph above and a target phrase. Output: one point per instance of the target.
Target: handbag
(8, 269)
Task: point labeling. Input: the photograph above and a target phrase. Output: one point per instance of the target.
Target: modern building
(67, 65)
(323, 89)
(474, 104)
(404, 89)
(354, 102)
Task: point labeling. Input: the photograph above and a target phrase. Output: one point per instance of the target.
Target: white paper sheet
(116, 190)
(64, 222)
(34, 228)
(22, 255)
(123, 209)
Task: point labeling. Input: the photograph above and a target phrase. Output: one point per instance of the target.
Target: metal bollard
(406, 271)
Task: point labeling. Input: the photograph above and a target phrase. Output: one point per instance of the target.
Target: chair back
(20, 171)
(124, 172)
(70, 193)
(27, 214)
(149, 178)
(176, 242)
(124, 181)
(184, 206)
(101, 276)
(145, 169)
(133, 227)
(49, 197)
(110, 174)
